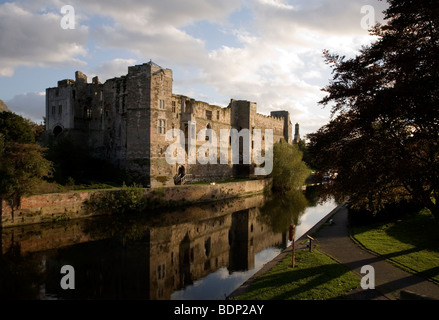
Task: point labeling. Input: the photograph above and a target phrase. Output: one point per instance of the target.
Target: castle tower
(149, 88)
(296, 134)
(287, 123)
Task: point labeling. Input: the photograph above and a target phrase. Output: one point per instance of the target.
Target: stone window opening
(208, 115)
(162, 104)
(161, 126)
(53, 109)
(60, 109)
(88, 113)
(161, 271)
(217, 115)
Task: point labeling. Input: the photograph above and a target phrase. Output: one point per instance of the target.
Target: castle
(125, 121)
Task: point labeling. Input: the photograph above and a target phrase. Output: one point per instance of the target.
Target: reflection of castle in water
(166, 258)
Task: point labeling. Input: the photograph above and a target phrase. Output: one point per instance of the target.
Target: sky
(264, 51)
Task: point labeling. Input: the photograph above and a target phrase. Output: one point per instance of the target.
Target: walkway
(334, 240)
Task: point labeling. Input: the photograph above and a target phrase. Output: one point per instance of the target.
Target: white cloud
(31, 105)
(110, 69)
(278, 4)
(31, 39)
(277, 61)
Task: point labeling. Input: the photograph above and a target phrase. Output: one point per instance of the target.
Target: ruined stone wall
(212, 117)
(59, 106)
(114, 122)
(287, 125)
(267, 122)
(138, 119)
(76, 105)
(163, 117)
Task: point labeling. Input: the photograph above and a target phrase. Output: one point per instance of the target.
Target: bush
(122, 201)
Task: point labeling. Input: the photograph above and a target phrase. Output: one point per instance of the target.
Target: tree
(3, 106)
(289, 171)
(383, 137)
(22, 165)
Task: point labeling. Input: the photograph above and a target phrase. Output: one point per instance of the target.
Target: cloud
(279, 64)
(275, 58)
(31, 105)
(33, 39)
(154, 29)
(110, 69)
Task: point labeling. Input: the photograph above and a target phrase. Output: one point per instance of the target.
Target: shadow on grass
(310, 283)
(421, 231)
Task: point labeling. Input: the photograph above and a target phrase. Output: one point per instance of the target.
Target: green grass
(315, 277)
(411, 243)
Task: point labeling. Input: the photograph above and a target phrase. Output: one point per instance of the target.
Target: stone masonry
(125, 121)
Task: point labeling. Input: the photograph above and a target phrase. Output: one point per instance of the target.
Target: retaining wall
(71, 205)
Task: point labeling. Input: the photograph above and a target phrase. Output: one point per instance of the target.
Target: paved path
(334, 240)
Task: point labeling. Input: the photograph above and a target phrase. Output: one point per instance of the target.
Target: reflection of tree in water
(283, 209)
(20, 277)
(125, 227)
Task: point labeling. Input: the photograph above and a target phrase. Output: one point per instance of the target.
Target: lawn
(411, 243)
(315, 277)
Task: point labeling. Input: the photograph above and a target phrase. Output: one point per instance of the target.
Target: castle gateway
(125, 121)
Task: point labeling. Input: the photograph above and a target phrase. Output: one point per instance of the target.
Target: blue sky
(266, 51)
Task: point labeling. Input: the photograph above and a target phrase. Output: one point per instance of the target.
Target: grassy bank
(411, 243)
(315, 277)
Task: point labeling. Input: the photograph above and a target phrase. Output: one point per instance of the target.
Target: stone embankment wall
(71, 205)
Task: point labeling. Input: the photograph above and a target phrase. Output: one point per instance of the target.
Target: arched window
(57, 131)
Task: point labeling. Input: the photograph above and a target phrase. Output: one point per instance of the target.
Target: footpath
(391, 282)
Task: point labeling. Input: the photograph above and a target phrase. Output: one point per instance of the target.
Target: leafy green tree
(289, 171)
(383, 137)
(22, 164)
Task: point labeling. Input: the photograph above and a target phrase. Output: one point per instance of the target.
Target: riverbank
(335, 242)
(285, 255)
(74, 204)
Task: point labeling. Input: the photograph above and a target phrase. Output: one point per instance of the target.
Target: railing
(186, 178)
(180, 180)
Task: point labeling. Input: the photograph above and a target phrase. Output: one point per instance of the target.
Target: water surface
(198, 252)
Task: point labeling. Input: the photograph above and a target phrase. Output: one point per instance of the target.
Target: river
(196, 252)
